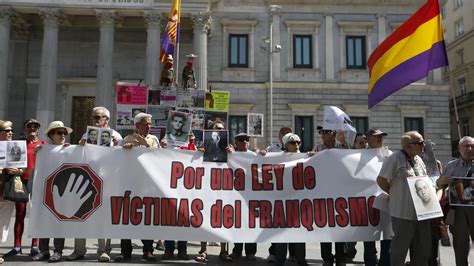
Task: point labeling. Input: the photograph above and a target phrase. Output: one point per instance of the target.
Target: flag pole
(451, 91)
(177, 45)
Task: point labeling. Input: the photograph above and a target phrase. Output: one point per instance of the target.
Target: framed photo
(255, 125)
(461, 191)
(13, 154)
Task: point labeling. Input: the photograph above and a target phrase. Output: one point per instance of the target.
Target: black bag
(15, 190)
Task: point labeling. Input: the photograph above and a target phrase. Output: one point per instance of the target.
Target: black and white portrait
(461, 191)
(215, 143)
(255, 125)
(105, 137)
(424, 198)
(15, 153)
(178, 126)
(92, 135)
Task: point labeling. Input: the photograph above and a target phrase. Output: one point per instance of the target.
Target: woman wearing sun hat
(57, 133)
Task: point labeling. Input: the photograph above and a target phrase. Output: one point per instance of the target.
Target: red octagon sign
(70, 179)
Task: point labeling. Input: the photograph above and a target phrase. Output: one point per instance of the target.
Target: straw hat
(55, 125)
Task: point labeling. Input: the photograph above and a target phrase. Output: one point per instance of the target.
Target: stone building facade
(62, 58)
(459, 32)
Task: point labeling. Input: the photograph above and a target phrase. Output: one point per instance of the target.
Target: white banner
(100, 192)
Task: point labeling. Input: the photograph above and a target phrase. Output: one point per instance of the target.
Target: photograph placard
(99, 136)
(424, 198)
(461, 191)
(255, 125)
(13, 154)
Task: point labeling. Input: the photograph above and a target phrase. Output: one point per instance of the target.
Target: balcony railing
(463, 100)
(86, 3)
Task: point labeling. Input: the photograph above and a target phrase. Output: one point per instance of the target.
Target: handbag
(15, 190)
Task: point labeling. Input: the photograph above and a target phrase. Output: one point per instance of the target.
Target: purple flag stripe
(408, 72)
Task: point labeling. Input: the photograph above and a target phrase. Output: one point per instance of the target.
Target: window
(355, 52)
(459, 28)
(237, 124)
(304, 129)
(462, 86)
(302, 52)
(465, 127)
(414, 123)
(360, 123)
(238, 50)
(458, 3)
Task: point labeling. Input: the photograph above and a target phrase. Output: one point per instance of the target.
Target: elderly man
(279, 146)
(100, 118)
(463, 227)
(328, 138)
(393, 180)
(375, 140)
(242, 145)
(141, 138)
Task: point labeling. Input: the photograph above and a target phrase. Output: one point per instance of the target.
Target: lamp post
(273, 9)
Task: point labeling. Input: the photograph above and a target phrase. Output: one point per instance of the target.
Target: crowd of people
(419, 238)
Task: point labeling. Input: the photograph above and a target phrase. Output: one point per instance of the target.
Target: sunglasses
(324, 132)
(243, 140)
(420, 143)
(61, 133)
(294, 142)
(7, 130)
(33, 125)
(98, 117)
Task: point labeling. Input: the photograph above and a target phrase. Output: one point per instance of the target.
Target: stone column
(152, 65)
(381, 25)
(52, 18)
(329, 48)
(104, 91)
(201, 26)
(6, 16)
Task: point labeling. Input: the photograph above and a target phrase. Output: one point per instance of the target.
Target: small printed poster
(424, 198)
(215, 143)
(159, 115)
(13, 154)
(197, 120)
(154, 97)
(99, 136)
(178, 128)
(168, 97)
(255, 125)
(131, 94)
(461, 191)
(215, 120)
(217, 101)
(190, 98)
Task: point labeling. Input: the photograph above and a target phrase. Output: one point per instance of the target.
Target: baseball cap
(375, 132)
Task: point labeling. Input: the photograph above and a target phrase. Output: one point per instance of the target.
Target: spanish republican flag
(171, 34)
(408, 54)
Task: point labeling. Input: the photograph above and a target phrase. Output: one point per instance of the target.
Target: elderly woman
(57, 134)
(297, 251)
(6, 207)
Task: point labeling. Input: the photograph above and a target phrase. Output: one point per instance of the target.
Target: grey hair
(465, 139)
(140, 117)
(103, 109)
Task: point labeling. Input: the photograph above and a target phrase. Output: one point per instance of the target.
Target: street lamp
(272, 49)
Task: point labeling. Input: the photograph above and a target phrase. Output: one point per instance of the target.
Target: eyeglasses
(98, 117)
(61, 133)
(7, 130)
(247, 140)
(324, 132)
(33, 125)
(294, 142)
(420, 143)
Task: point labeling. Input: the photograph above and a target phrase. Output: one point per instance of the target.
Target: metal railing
(463, 100)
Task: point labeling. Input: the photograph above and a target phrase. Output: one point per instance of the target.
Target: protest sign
(172, 194)
(424, 198)
(13, 154)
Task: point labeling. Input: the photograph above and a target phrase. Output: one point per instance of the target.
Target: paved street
(312, 254)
